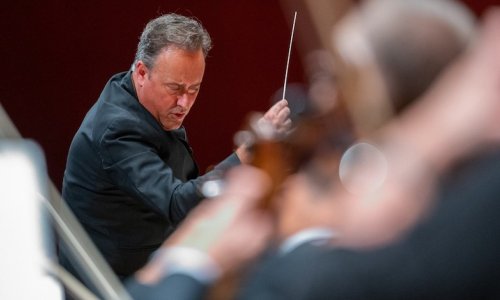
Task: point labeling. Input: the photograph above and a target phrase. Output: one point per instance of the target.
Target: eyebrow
(182, 85)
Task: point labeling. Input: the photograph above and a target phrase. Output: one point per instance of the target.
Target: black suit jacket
(128, 181)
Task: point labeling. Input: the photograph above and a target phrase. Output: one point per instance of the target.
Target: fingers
(279, 116)
(282, 122)
(281, 104)
(283, 119)
(276, 109)
(287, 125)
(278, 106)
(283, 113)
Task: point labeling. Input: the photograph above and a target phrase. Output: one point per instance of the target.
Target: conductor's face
(168, 90)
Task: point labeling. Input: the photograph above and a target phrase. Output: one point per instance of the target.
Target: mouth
(179, 115)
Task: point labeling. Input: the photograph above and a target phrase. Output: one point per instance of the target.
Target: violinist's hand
(279, 117)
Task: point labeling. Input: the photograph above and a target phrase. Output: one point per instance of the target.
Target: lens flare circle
(363, 169)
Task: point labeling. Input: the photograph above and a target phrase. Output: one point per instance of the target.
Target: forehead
(175, 59)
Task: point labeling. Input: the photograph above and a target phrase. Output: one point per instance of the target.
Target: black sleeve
(130, 158)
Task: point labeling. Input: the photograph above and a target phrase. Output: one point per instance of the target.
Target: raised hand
(279, 117)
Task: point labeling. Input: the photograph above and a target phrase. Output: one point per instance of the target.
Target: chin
(171, 126)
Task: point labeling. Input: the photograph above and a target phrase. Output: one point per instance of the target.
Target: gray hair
(171, 30)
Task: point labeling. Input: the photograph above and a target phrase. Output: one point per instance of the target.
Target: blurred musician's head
(393, 50)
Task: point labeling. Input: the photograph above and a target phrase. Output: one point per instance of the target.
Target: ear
(141, 72)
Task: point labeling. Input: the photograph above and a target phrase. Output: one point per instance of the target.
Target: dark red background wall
(57, 55)
(56, 58)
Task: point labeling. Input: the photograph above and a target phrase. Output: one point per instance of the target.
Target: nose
(183, 100)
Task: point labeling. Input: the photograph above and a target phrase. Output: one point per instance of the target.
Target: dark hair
(171, 30)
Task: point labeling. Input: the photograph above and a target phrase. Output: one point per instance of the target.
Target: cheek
(164, 100)
(192, 101)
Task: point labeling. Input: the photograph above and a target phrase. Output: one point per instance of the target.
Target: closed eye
(180, 89)
(174, 87)
(193, 90)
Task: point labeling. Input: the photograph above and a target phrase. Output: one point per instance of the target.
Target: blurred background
(57, 56)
